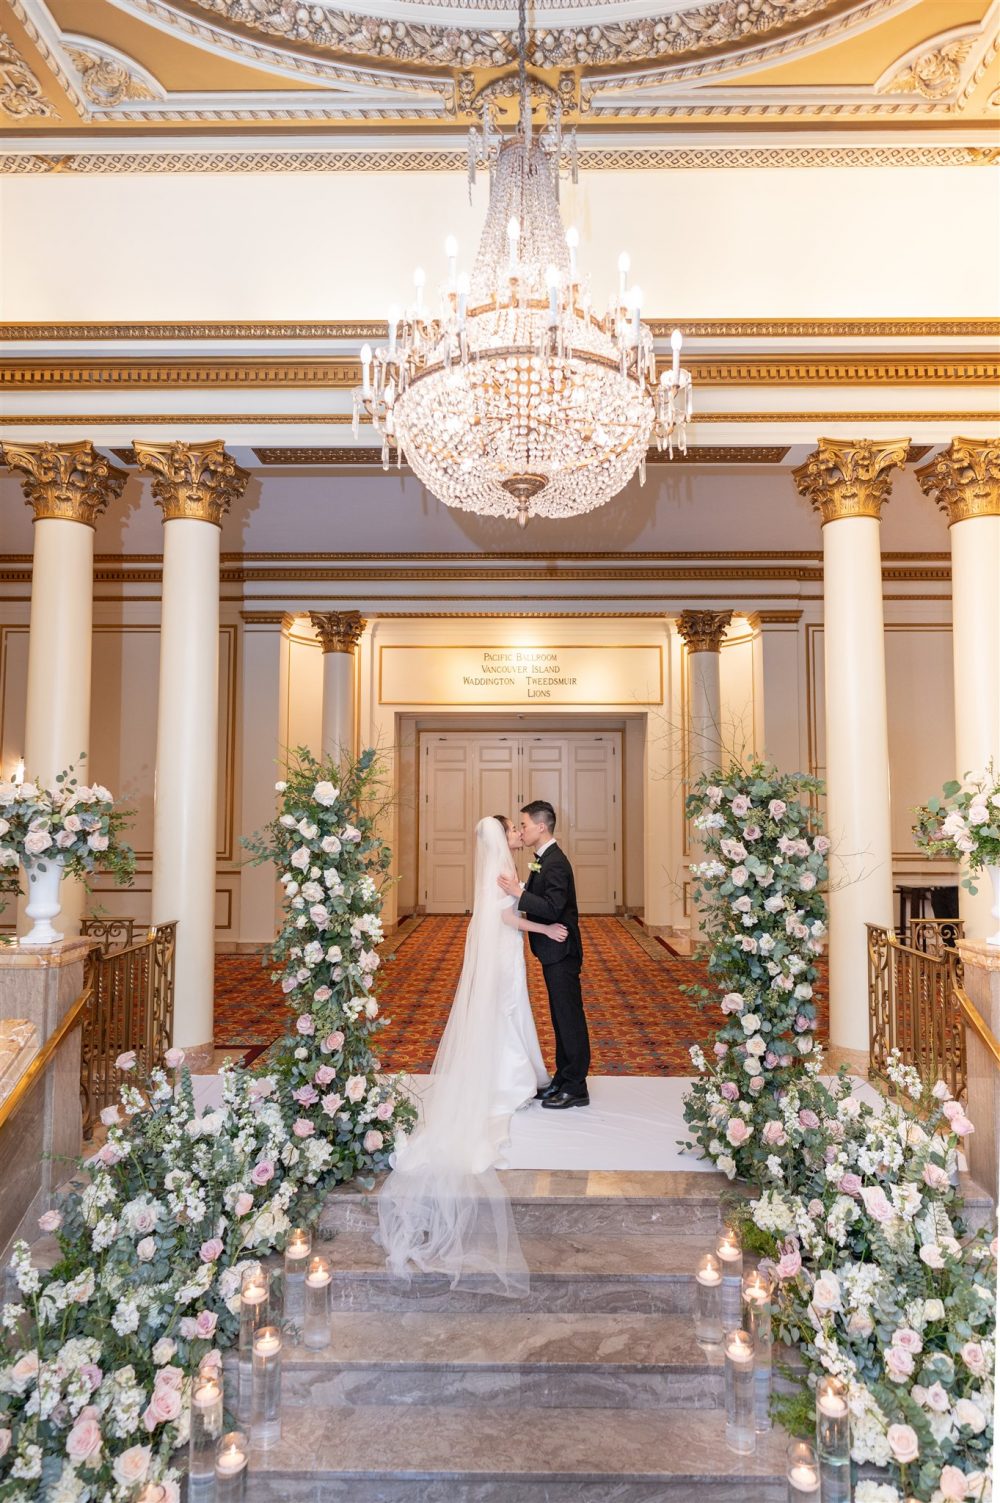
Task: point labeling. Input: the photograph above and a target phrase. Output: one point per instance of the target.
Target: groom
(549, 897)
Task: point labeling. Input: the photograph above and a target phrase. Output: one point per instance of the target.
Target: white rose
(326, 794)
(826, 1291)
(145, 1250)
(132, 1465)
(968, 1413)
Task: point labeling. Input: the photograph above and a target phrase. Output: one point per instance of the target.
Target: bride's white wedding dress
(443, 1208)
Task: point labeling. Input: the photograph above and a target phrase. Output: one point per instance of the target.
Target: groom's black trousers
(569, 1024)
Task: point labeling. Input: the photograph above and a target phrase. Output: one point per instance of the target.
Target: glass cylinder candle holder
(316, 1327)
(758, 1291)
(729, 1252)
(803, 1472)
(265, 1409)
(707, 1306)
(254, 1297)
(231, 1456)
(833, 1440)
(206, 1427)
(741, 1433)
(297, 1250)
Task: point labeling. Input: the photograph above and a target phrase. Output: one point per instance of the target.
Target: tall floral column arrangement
(856, 1210)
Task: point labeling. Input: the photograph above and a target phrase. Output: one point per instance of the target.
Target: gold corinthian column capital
(703, 631)
(964, 479)
(338, 631)
(68, 482)
(850, 479)
(193, 482)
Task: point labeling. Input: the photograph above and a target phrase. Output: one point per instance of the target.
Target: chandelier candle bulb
(803, 1472)
(451, 251)
(707, 1310)
(231, 1456)
(316, 1328)
(676, 343)
(265, 1410)
(741, 1434)
(366, 367)
(636, 315)
(393, 321)
(624, 267)
(833, 1440)
(253, 1314)
(730, 1254)
(206, 1428)
(757, 1295)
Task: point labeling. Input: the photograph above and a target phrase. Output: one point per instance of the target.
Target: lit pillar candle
(741, 1435)
(19, 771)
(265, 1409)
(730, 1256)
(803, 1473)
(253, 1314)
(707, 1310)
(297, 1250)
(231, 1456)
(316, 1330)
(757, 1292)
(206, 1428)
(513, 236)
(833, 1440)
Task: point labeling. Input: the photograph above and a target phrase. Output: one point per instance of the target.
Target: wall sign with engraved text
(503, 675)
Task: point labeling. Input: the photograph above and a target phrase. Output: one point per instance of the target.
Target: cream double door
(466, 775)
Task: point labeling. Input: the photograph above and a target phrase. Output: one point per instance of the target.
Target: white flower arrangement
(963, 825)
(79, 824)
(878, 1280)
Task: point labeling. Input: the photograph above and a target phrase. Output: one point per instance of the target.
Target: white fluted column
(702, 632)
(68, 486)
(965, 480)
(339, 633)
(194, 484)
(848, 484)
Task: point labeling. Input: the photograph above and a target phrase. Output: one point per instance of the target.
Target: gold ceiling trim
(343, 419)
(696, 454)
(547, 555)
(694, 328)
(611, 159)
(343, 374)
(21, 95)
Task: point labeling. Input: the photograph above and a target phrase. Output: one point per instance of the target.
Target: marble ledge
(21, 957)
(978, 954)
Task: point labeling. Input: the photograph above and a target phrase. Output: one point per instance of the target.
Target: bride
(443, 1208)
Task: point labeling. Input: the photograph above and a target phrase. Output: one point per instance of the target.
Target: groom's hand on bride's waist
(510, 885)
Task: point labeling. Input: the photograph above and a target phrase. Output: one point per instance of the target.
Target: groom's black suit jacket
(549, 897)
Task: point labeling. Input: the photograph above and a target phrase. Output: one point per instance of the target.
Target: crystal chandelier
(516, 400)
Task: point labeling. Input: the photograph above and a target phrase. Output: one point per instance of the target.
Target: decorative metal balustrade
(131, 1006)
(934, 935)
(912, 1007)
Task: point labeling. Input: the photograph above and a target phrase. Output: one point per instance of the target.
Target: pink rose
(720, 1050)
(163, 1407)
(83, 1443)
(903, 1443)
(302, 1128)
(109, 1116)
(332, 1043)
(324, 1075)
(132, 1465)
(935, 1177)
(205, 1324)
(876, 1203)
(243, 1204)
(306, 1095)
(211, 1362)
(384, 1111)
(952, 1484)
(50, 1221)
(305, 1024)
(173, 1059)
(752, 832)
(741, 806)
(961, 1126)
(211, 1250)
(145, 1250)
(737, 1131)
(126, 1061)
(332, 1103)
(773, 1134)
(732, 1002)
(262, 1171)
(909, 1340)
(730, 1090)
(776, 808)
(951, 1110)
(849, 1184)
(790, 1262)
(170, 1377)
(807, 1118)
(898, 1364)
(756, 1085)
(93, 1375)
(373, 1141)
(974, 1358)
(356, 1088)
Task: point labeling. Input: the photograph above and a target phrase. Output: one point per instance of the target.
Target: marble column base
(981, 967)
(200, 1058)
(39, 983)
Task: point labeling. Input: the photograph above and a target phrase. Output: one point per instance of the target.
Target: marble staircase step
(507, 1359)
(601, 1273)
(424, 1453)
(551, 1201)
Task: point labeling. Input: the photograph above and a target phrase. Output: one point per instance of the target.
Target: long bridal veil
(443, 1208)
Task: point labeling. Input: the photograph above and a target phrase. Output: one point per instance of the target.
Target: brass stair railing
(913, 1008)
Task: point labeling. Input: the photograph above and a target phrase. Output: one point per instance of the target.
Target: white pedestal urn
(994, 876)
(44, 874)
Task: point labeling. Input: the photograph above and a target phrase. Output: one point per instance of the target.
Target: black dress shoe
(563, 1100)
(545, 1092)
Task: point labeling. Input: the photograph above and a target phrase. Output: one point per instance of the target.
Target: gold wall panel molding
(611, 159)
(21, 94)
(849, 479)
(352, 329)
(193, 482)
(343, 419)
(69, 482)
(338, 631)
(965, 479)
(703, 631)
(696, 454)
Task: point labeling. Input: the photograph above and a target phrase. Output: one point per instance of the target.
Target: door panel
(466, 775)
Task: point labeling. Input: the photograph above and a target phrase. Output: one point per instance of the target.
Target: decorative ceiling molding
(106, 76)
(693, 328)
(785, 418)
(935, 69)
(738, 455)
(21, 94)
(76, 158)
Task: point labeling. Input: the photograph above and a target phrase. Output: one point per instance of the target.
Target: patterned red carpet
(640, 1022)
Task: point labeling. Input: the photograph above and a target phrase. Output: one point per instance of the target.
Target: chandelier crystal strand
(516, 400)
